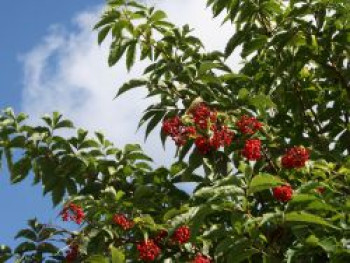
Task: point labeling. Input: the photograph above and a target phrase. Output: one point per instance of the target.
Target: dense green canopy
(267, 147)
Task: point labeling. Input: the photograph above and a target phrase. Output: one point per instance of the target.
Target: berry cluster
(182, 234)
(177, 130)
(160, 236)
(202, 144)
(73, 212)
(201, 259)
(148, 250)
(283, 193)
(203, 116)
(248, 125)
(295, 157)
(72, 253)
(252, 149)
(123, 222)
(202, 126)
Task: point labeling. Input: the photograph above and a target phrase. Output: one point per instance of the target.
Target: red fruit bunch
(202, 144)
(295, 157)
(182, 234)
(248, 125)
(123, 222)
(161, 235)
(148, 250)
(221, 137)
(73, 212)
(320, 190)
(283, 193)
(201, 259)
(252, 149)
(205, 140)
(72, 253)
(202, 116)
(174, 128)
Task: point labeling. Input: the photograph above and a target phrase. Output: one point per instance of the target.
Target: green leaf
(177, 168)
(261, 102)
(64, 124)
(26, 233)
(47, 248)
(108, 18)
(302, 198)
(153, 122)
(25, 247)
(132, 148)
(306, 218)
(241, 255)
(21, 169)
(56, 117)
(195, 160)
(158, 15)
(134, 83)
(71, 187)
(117, 255)
(205, 66)
(17, 142)
(143, 192)
(185, 149)
(116, 52)
(328, 244)
(262, 182)
(90, 143)
(139, 156)
(58, 193)
(97, 259)
(227, 190)
(243, 94)
(5, 253)
(131, 55)
(235, 250)
(234, 41)
(254, 45)
(102, 34)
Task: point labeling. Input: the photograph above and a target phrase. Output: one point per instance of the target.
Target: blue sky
(23, 23)
(50, 61)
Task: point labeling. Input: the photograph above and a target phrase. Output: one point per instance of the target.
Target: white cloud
(68, 72)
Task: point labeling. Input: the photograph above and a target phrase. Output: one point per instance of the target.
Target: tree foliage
(267, 147)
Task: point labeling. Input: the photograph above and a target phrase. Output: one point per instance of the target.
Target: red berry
(177, 131)
(182, 234)
(252, 149)
(295, 157)
(201, 259)
(190, 131)
(148, 250)
(122, 221)
(202, 144)
(283, 193)
(320, 189)
(202, 115)
(72, 253)
(248, 125)
(162, 234)
(221, 137)
(171, 125)
(73, 212)
(226, 136)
